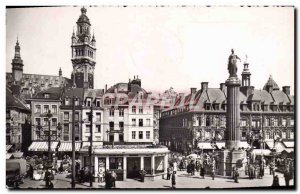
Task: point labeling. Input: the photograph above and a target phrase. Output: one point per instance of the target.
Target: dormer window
(67, 101)
(97, 102)
(88, 102)
(46, 96)
(207, 106)
(76, 101)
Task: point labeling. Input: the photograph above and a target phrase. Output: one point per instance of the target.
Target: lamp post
(91, 145)
(58, 129)
(49, 115)
(73, 142)
(39, 128)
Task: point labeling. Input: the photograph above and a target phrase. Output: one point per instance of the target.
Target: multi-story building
(199, 118)
(17, 123)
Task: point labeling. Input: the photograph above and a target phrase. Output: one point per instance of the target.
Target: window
(133, 134)
(38, 121)
(284, 122)
(111, 112)
(87, 128)
(88, 102)
(243, 135)
(207, 121)
(121, 139)
(98, 128)
(140, 110)
(292, 122)
(140, 134)
(199, 121)
(267, 135)
(291, 135)
(147, 134)
(76, 130)
(111, 125)
(98, 103)
(111, 138)
(283, 134)
(87, 116)
(66, 115)
(148, 122)
(207, 107)
(98, 116)
(54, 121)
(66, 137)
(54, 109)
(253, 123)
(46, 95)
(140, 122)
(45, 121)
(133, 109)
(76, 102)
(76, 116)
(46, 108)
(267, 122)
(121, 125)
(121, 112)
(37, 108)
(67, 101)
(275, 122)
(134, 122)
(243, 123)
(66, 129)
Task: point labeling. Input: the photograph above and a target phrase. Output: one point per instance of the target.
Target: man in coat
(47, 178)
(173, 180)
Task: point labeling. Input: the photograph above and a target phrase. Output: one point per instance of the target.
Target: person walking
(275, 181)
(108, 180)
(202, 171)
(181, 165)
(173, 180)
(235, 175)
(193, 168)
(175, 167)
(114, 178)
(272, 166)
(47, 178)
(287, 177)
(168, 173)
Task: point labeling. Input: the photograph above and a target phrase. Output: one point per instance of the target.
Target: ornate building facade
(198, 119)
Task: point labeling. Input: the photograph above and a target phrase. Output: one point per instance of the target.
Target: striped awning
(220, 145)
(204, 145)
(279, 147)
(8, 156)
(67, 146)
(8, 147)
(42, 146)
(244, 144)
(17, 154)
(288, 144)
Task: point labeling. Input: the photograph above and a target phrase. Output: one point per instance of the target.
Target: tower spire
(17, 63)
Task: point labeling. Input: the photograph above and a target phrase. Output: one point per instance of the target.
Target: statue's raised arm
(232, 61)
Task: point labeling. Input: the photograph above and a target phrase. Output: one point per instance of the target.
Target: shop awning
(17, 154)
(142, 151)
(279, 147)
(42, 146)
(67, 146)
(264, 152)
(204, 145)
(288, 150)
(288, 144)
(244, 144)
(85, 145)
(220, 145)
(8, 156)
(8, 147)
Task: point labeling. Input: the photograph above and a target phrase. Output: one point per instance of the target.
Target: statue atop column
(232, 67)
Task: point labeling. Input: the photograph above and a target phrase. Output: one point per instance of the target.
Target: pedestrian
(181, 165)
(30, 172)
(271, 166)
(287, 177)
(235, 175)
(175, 167)
(213, 173)
(108, 180)
(275, 181)
(114, 178)
(77, 167)
(202, 171)
(100, 175)
(51, 186)
(193, 167)
(168, 173)
(47, 178)
(173, 180)
(189, 169)
(197, 165)
(81, 175)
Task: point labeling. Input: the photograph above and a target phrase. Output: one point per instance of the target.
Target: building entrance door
(133, 167)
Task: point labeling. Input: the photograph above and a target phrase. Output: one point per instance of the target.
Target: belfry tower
(17, 64)
(83, 53)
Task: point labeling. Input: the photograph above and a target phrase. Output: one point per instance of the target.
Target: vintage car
(15, 172)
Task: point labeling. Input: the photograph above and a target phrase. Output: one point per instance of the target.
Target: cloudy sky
(166, 46)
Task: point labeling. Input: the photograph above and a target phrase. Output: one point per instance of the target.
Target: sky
(177, 47)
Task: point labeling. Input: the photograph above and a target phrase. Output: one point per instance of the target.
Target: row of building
(131, 128)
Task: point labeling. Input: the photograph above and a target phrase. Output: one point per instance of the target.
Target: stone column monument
(232, 156)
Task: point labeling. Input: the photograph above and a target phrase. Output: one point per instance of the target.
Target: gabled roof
(261, 95)
(93, 93)
(55, 93)
(70, 92)
(14, 102)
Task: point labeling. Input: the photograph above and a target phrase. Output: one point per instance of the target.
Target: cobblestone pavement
(182, 181)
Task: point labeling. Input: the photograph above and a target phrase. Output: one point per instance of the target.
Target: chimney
(193, 90)
(286, 90)
(251, 90)
(105, 88)
(222, 87)
(204, 86)
(269, 89)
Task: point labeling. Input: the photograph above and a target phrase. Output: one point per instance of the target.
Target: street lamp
(58, 128)
(39, 128)
(49, 115)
